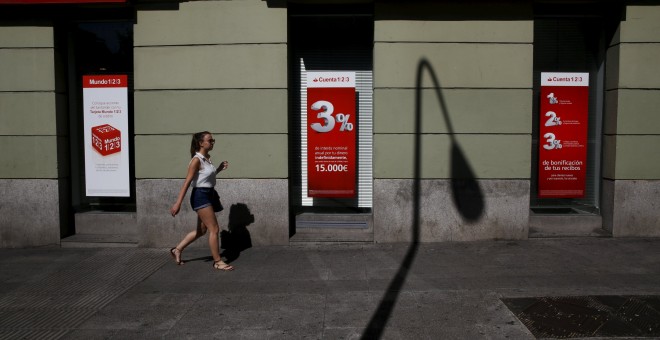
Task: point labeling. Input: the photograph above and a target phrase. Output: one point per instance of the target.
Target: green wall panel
(468, 110)
(455, 65)
(28, 157)
(641, 24)
(212, 22)
(631, 146)
(27, 113)
(453, 10)
(610, 113)
(637, 157)
(27, 69)
(26, 36)
(612, 68)
(454, 31)
(639, 66)
(633, 112)
(490, 156)
(211, 67)
(249, 155)
(609, 157)
(226, 111)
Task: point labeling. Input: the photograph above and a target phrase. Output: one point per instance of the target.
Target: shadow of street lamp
(466, 195)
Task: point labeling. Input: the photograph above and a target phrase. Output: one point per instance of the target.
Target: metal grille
(589, 316)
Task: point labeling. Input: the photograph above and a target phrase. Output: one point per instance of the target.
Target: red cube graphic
(106, 139)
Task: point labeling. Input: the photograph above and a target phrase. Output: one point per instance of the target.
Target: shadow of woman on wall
(237, 238)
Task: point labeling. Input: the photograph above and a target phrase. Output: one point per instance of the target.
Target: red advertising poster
(563, 134)
(331, 134)
(105, 110)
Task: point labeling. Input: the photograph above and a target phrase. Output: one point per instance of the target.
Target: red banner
(120, 80)
(563, 135)
(331, 134)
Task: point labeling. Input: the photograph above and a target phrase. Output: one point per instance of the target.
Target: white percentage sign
(343, 119)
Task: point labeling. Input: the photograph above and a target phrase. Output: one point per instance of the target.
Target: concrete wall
(482, 59)
(631, 155)
(222, 66)
(29, 211)
(218, 66)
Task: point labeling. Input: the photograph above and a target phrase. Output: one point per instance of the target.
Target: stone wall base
(261, 204)
(451, 211)
(631, 208)
(29, 213)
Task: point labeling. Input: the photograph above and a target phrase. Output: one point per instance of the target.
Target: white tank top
(205, 177)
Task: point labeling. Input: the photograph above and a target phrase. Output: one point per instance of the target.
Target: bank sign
(331, 134)
(563, 135)
(105, 109)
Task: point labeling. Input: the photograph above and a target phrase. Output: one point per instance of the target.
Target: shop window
(571, 45)
(102, 172)
(331, 157)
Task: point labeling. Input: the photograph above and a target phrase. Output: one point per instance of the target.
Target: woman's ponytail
(197, 139)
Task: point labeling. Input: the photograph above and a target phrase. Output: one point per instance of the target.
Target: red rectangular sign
(563, 135)
(119, 80)
(331, 134)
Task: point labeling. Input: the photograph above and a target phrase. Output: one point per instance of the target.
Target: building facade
(446, 133)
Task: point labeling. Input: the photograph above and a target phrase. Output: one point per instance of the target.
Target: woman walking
(203, 199)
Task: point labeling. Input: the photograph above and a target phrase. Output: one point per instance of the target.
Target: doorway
(99, 50)
(565, 200)
(331, 172)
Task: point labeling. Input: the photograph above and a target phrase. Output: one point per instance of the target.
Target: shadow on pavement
(237, 239)
(466, 195)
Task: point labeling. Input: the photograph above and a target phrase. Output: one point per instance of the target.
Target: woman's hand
(175, 209)
(223, 166)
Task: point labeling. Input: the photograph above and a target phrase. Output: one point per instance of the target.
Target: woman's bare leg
(207, 215)
(190, 238)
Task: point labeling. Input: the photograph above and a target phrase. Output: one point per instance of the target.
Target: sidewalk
(450, 290)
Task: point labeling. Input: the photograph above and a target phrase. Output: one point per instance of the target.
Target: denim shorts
(204, 197)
